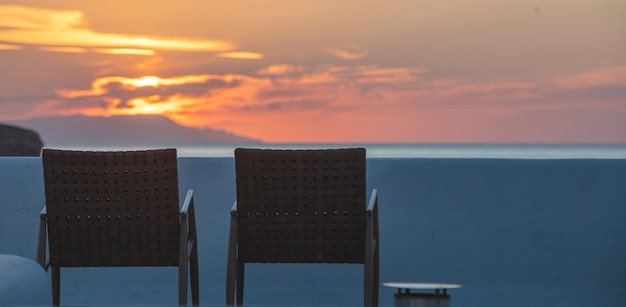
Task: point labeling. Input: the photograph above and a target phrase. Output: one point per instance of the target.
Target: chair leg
(240, 275)
(183, 268)
(376, 281)
(367, 285)
(231, 279)
(195, 279)
(56, 286)
(232, 263)
(371, 278)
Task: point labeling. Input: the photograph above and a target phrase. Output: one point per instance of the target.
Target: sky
(326, 71)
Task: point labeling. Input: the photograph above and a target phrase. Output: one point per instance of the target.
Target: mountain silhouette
(124, 130)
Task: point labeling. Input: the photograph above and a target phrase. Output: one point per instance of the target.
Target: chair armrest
(371, 216)
(373, 203)
(233, 210)
(188, 235)
(188, 201)
(41, 242)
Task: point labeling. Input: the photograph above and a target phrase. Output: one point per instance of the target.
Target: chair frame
(236, 267)
(187, 253)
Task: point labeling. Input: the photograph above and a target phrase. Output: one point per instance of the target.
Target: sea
(379, 150)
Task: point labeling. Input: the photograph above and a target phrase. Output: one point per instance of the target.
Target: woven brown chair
(116, 209)
(302, 206)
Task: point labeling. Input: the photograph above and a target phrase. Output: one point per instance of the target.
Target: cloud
(377, 75)
(241, 55)
(190, 98)
(10, 47)
(340, 97)
(116, 95)
(133, 51)
(64, 49)
(282, 69)
(611, 76)
(287, 87)
(101, 86)
(347, 52)
(23, 17)
(59, 29)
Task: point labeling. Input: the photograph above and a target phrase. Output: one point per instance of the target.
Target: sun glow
(145, 81)
(150, 105)
(241, 55)
(132, 51)
(99, 86)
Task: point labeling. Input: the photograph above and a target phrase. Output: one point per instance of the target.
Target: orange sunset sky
(348, 71)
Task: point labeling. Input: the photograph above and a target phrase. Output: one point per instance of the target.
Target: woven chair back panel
(112, 208)
(301, 206)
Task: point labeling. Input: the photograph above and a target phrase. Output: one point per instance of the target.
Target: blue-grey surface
(513, 232)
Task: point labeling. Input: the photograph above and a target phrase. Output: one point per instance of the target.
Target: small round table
(405, 298)
(23, 282)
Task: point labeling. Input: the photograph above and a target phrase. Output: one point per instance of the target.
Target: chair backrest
(112, 208)
(301, 206)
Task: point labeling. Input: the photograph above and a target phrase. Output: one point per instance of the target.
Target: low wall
(512, 232)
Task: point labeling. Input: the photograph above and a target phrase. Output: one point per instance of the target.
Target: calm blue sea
(504, 151)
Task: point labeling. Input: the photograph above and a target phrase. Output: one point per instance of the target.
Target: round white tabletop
(24, 282)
